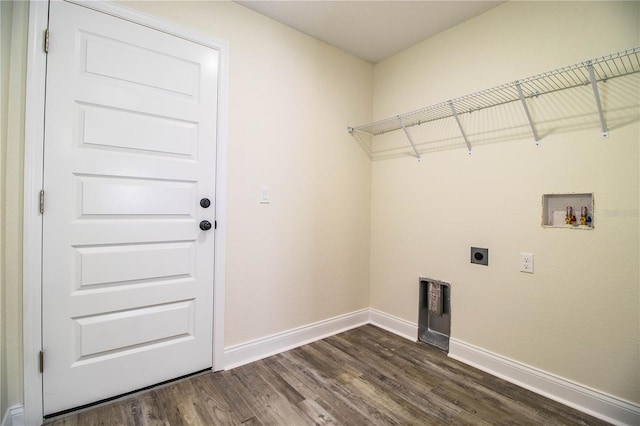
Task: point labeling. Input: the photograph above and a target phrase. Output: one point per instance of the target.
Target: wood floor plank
(151, 411)
(288, 372)
(318, 389)
(266, 400)
(212, 407)
(387, 379)
(551, 410)
(132, 412)
(316, 413)
(399, 376)
(106, 415)
(394, 406)
(203, 405)
(323, 360)
(230, 387)
(421, 380)
(169, 400)
(66, 421)
(481, 404)
(253, 421)
(278, 383)
(333, 381)
(364, 376)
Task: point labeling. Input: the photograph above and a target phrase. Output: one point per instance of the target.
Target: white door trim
(33, 167)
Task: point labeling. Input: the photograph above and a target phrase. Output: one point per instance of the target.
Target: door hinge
(46, 40)
(215, 224)
(42, 201)
(41, 357)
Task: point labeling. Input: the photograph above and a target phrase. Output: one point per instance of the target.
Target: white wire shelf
(590, 74)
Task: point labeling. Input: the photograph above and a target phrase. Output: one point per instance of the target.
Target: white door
(130, 144)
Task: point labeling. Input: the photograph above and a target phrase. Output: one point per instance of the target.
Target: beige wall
(14, 17)
(305, 256)
(578, 316)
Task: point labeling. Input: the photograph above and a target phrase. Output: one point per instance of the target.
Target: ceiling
(370, 30)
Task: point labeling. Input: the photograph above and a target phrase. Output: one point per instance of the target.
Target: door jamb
(33, 183)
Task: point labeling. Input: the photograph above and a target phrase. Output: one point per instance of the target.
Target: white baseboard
(245, 353)
(590, 401)
(598, 404)
(14, 416)
(587, 400)
(395, 325)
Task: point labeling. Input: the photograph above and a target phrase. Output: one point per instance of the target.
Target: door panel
(130, 142)
(139, 197)
(108, 334)
(105, 128)
(136, 263)
(119, 60)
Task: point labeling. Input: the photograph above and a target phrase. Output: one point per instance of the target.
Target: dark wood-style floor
(364, 376)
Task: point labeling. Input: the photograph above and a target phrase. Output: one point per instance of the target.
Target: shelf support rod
(409, 137)
(464, 136)
(596, 93)
(526, 110)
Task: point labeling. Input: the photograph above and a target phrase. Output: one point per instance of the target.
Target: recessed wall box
(480, 255)
(556, 206)
(434, 316)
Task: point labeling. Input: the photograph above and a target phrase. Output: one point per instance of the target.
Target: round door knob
(204, 203)
(205, 225)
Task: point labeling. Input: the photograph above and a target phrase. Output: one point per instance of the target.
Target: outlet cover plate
(480, 256)
(526, 263)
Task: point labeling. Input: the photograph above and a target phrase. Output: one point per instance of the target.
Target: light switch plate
(265, 196)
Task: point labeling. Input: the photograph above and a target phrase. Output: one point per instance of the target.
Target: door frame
(33, 183)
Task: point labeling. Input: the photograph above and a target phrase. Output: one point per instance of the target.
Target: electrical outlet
(526, 262)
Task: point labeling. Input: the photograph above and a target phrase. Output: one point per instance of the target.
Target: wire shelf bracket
(596, 94)
(526, 110)
(594, 71)
(413, 145)
(464, 135)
